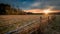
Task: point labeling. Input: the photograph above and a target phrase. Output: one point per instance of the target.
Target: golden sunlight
(46, 11)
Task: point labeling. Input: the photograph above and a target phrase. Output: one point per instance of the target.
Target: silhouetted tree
(6, 9)
(3, 8)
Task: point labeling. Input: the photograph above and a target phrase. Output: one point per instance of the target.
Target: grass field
(12, 22)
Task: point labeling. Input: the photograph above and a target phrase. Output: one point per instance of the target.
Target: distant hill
(44, 13)
(57, 13)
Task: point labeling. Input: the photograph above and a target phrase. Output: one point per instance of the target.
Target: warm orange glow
(47, 11)
(34, 10)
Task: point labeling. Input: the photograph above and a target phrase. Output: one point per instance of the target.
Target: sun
(46, 11)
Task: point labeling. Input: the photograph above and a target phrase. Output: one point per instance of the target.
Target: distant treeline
(6, 9)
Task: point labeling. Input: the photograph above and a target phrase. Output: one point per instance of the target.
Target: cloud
(35, 4)
(43, 4)
(53, 3)
(40, 11)
(34, 10)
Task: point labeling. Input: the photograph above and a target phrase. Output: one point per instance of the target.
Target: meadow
(9, 23)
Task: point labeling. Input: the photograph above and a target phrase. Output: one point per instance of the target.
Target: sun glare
(46, 11)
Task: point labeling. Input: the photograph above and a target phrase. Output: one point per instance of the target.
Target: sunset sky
(33, 4)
